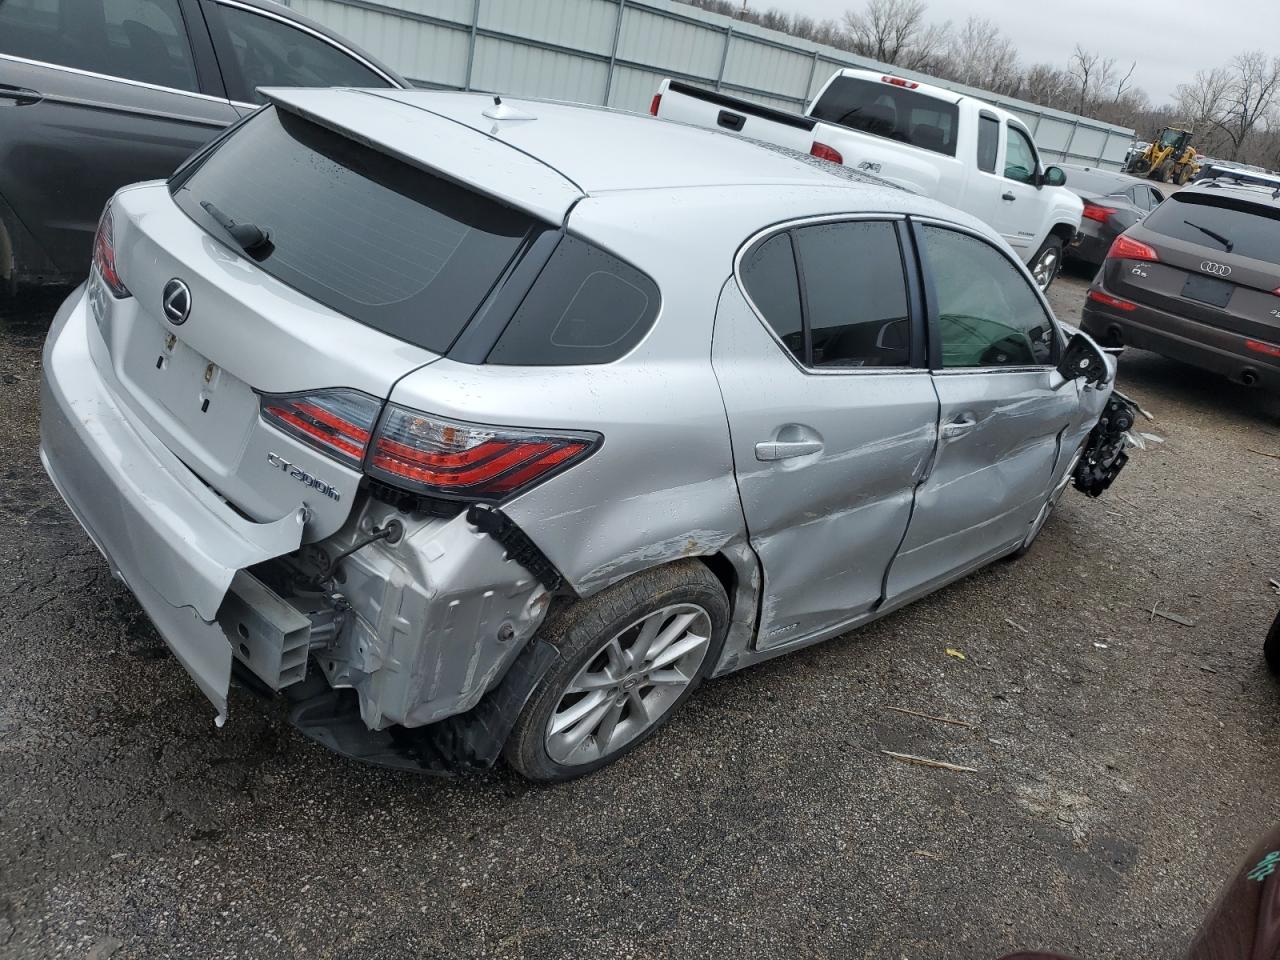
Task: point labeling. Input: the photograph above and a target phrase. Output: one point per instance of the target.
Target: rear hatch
(1219, 261)
(370, 270)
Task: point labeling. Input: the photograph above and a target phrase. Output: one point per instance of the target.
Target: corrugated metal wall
(616, 51)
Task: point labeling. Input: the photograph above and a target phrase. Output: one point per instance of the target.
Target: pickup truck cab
(935, 142)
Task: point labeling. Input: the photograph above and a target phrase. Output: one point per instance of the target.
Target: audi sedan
(480, 428)
(1199, 281)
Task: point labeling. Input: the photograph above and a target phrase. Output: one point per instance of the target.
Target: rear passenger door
(819, 352)
(1003, 411)
(96, 94)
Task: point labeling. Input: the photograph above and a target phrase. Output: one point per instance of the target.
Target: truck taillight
(899, 82)
(823, 152)
(439, 457)
(104, 254)
(336, 422)
(655, 103)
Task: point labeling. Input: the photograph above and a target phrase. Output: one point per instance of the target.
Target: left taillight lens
(337, 422)
(104, 255)
(440, 457)
(655, 104)
(824, 152)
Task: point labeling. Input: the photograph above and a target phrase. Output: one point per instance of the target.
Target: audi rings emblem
(1217, 269)
(176, 301)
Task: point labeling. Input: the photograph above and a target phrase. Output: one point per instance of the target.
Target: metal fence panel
(616, 51)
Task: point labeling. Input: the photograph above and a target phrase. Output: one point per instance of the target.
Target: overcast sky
(1170, 41)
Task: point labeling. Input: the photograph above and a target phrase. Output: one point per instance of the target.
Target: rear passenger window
(143, 40)
(988, 142)
(988, 314)
(855, 294)
(769, 274)
(853, 308)
(587, 306)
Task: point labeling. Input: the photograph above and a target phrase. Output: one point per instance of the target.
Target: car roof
(1259, 193)
(1090, 181)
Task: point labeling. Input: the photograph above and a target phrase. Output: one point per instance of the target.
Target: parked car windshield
(386, 244)
(894, 112)
(1252, 229)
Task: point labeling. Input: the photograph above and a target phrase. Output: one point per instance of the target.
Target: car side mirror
(1082, 358)
(1055, 177)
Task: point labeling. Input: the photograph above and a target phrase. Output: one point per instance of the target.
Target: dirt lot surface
(1124, 761)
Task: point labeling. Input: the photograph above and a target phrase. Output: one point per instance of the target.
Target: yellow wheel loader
(1170, 158)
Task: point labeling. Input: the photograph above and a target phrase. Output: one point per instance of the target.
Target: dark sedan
(95, 94)
(1113, 202)
(1198, 281)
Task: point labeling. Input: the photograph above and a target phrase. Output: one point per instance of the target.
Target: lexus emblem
(1217, 269)
(176, 301)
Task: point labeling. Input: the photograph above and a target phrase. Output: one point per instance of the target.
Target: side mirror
(1082, 359)
(1055, 177)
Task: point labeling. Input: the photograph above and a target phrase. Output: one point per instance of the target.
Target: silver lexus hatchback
(479, 428)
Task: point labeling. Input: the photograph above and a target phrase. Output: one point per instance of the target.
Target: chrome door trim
(113, 78)
(315, 33)
(785, 225)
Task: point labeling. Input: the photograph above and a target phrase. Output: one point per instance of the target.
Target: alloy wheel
(629, 685)
(1046, 268)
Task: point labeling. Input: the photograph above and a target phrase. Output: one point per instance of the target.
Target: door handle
(959, 426)
(1008, 195)
(21, 96)
(767, 450)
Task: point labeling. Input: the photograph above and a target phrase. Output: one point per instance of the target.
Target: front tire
(1271, 647)
(629, 658)
(1047, 262)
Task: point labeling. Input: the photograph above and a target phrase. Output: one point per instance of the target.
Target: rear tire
(1271, 647)
(1047, 262)
(622, 673)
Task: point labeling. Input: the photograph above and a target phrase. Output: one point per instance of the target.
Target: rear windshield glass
(885, 110)
(1241, 227)
(385, 243)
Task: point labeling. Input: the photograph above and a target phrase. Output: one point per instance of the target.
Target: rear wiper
(1226, 244)
(252, 239)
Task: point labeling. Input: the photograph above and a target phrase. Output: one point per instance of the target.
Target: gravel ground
(1124, 762)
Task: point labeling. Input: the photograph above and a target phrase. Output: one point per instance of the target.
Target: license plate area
(1208, 290)
(206, 411)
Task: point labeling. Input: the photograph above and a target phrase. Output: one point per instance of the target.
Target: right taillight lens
(1126, 248)
(104, 255)
(655, 103)
(440, 457)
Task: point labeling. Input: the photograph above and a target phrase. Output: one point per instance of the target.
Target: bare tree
(1047, 85)
(1092, 73)
(896, 31)
(1250, 96)
(981, 56)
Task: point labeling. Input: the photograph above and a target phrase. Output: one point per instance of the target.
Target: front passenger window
(988, 313)
(1020, 157)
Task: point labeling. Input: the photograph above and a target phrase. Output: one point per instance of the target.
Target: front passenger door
(1003, 411)
(1019, 214)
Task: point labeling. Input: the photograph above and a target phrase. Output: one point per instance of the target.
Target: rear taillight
(823, 152)
(104, 255)
(655, 103)
(1266, 349)
(1127, 248)
(337, 422)
(1107, 300)
(1095, 211)
(439, 457)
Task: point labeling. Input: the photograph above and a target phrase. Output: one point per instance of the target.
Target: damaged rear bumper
(164, 533)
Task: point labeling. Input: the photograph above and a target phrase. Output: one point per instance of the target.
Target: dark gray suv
(1198, 281)
(95, 94)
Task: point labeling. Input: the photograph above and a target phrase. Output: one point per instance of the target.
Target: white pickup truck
(936, 142)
